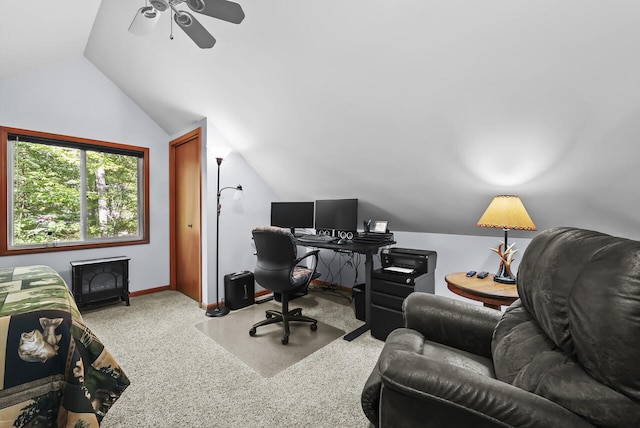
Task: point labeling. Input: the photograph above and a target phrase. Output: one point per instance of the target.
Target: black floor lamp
(219, 311)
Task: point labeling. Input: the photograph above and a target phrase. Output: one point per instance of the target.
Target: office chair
(278, 269)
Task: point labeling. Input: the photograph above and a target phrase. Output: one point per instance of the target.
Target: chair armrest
(419, 390)
(308, 254)
(451, 322)
(312, 253)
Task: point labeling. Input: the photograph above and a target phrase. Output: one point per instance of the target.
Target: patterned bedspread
(54, 372)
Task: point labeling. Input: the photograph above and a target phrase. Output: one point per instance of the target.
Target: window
(69, 193)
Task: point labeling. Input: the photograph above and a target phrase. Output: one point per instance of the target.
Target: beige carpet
(264, 352)
(182, 378)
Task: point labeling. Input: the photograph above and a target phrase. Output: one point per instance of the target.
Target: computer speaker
(345, 234)
(328, 232)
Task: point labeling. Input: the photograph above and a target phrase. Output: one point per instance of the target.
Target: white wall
(73, 98)
(458, 253)
(237, 218)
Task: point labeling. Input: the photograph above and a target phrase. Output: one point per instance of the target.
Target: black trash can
(358, 301)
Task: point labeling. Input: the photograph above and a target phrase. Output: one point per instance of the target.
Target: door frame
(197, 135)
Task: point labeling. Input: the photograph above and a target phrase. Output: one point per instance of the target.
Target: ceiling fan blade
(195, 30)
(221, 9)
(144, 22)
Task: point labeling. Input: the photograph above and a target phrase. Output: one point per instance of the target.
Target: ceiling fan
(147, 17)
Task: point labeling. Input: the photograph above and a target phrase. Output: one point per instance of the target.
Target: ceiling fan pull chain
(171, 32)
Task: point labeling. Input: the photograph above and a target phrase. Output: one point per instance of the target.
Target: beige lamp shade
(506, 212)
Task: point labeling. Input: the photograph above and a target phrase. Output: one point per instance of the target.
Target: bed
(54, 372)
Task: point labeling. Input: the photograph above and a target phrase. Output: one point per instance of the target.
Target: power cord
(330, 288)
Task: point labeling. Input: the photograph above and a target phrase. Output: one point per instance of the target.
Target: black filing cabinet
(388, 291)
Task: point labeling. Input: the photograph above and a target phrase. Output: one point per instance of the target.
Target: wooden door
(186, 239)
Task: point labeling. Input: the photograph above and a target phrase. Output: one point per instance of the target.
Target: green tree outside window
(63, 194)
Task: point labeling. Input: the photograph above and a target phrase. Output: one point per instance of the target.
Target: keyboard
(310, 238)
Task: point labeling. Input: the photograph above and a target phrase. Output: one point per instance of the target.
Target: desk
(368, 249)
(492, 294)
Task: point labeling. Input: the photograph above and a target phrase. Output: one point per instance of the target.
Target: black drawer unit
(387, 300)
(98, 280)
(385, 286)
(388, 291)
(384, 320)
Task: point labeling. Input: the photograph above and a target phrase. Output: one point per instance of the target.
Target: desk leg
(368, 269)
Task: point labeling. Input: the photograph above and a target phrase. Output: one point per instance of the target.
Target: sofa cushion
(573, 336)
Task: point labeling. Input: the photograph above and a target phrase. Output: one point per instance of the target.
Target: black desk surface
(355, 247)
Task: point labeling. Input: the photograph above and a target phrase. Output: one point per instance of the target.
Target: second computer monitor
(337, 214)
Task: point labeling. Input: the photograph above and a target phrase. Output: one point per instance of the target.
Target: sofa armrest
(400, 339)
(419, 391)
(451, 322)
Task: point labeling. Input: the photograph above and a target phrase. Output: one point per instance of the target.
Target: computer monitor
(292, 214)
(338, 214)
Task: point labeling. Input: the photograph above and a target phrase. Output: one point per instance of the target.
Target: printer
(408, 261)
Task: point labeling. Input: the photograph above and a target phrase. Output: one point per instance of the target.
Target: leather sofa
(566, 354)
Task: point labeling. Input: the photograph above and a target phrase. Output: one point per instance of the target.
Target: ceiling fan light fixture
(144, 22)
(159, 5)
(184, 19)
(225, 10)
(150, 13)
(196, 5)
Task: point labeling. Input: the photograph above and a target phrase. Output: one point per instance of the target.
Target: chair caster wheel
(285, 340)
(313, 327)
(252, 332)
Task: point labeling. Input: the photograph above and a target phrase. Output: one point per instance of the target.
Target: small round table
(492, 294)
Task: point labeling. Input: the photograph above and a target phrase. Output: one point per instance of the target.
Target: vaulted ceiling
(422, 109)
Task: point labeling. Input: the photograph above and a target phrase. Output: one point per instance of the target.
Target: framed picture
(380, 226)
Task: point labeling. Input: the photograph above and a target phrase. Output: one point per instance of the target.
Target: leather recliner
(566, 354)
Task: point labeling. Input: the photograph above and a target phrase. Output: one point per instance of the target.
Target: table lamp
(506, 212)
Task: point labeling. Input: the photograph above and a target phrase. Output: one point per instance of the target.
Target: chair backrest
(276, 253)
(578, 318)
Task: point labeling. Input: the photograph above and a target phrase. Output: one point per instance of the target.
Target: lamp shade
(237, 195)
(506, 212)
(145, 21)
